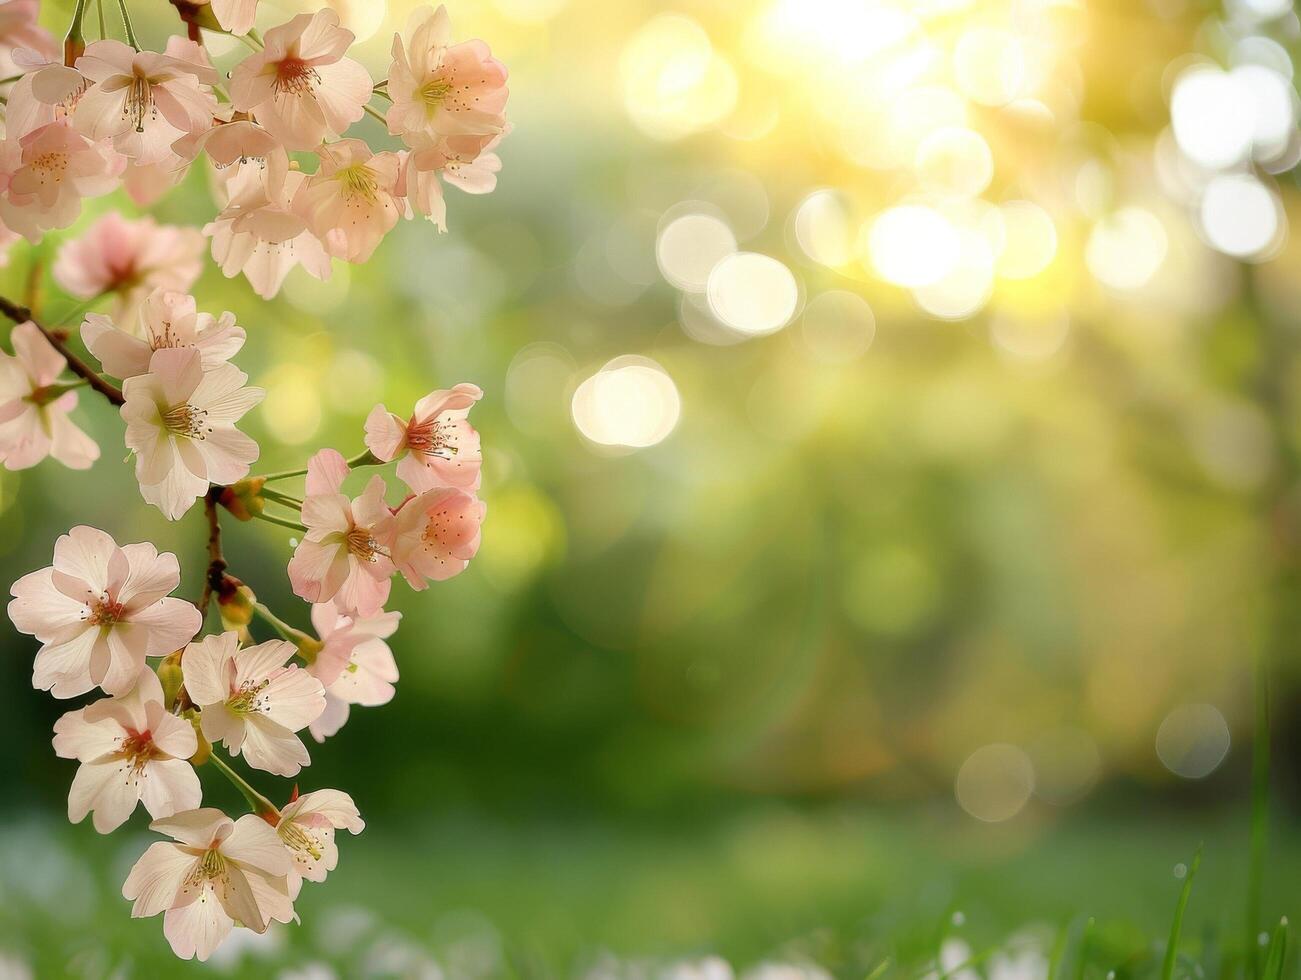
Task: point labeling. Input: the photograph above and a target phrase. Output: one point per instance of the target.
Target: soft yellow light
(1126, 249)
(847, 31)
(530, 11)
(955, 160)
(912, 245)
(1242, 217)
(1030, 240)
(292, 408)
(989, 66)
(753, 294)
(674, 84)
(1212, 118)
(362, 17)
(965, 289)
(631, 402)
(690, 246)
(838, 326)
(822, 229)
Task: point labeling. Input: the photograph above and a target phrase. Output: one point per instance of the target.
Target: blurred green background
(916, 570)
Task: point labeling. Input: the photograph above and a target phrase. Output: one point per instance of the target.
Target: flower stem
(283, 475)
(382, 93)
(74, 41)
(259, 803)
(216, 560)
(20, 314)
(99, 10)
(282, 521)
(126, 24)
(364, 458)
(370, 111)
(281, 498)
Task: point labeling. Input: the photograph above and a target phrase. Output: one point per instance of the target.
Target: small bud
(205, 747)
(171, 676)
(73, 48)
(235, 603)
(308, 647)
(244, 499)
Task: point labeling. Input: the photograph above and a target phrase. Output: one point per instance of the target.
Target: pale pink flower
(465, 162)
(259, 235)
(167, 319)
(219, 872)
(8, 239)
(239, 142)
(253, 700)
(47, 173)
(355, 664)
(147, 185)
(344, 554)
(181, 426)
(440, 88)
(301, 87)
(419, 186)
(99, 611)
(131, 750)
(130, 259)
(34, 406)
(18, 30)
(350, 202)
(436, 446)
(48, 92)
(307, 825)
(235, 16)
(437, 534)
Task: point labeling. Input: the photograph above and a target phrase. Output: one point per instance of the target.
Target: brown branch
(21, 314)
(214, 579)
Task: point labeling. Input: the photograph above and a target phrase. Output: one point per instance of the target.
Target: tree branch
(21, 314)
(212, 581)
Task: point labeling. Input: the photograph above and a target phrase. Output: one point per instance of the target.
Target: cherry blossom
(350, 203)
(181, 427)
(19, 30)
(465, 162)
(344, 554)
(167, 320)
(130, 259)
(301, 88)
(436, 446)
(437, 533)
(35, 407)
(47, 92)
(214, 873)
(131, 750)
(307, 825)
(253, 700)
(47, 173)
(355, 664)
(99, 611)
(443, 89)
(144, 101)
(235, 16)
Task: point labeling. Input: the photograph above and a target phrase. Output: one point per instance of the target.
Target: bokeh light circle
(752, 293)
(912, 245)
(1193, 740)
(1241, 217)
(1126, 248)
(689, 246)
(995, 782)
(631, 402)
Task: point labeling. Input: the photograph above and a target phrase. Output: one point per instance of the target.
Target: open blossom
(167, 319)
(181, 426)
(130, 259)
(301, 88)
(47, 92)
(235, 16)
(142, 100)
(307, 825)
(344, 554)
(19, 30)
(440, 88)
(355, 664)
(214, 873)
(131, 750)
(350, 203)
(437, 533)
(468, 163)
(253, 699)
(436, 446)
(99, 611)
(258, 233)
(48, 172)
(34, 409)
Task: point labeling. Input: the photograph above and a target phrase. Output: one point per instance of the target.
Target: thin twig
(21, 314)
(216, 560)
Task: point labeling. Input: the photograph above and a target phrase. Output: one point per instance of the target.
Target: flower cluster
(173, 697)
(110, 114)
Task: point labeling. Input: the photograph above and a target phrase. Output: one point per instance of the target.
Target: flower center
(435, 91)
(358, 181)
(430, 439)
(166, 338)
(362, 543)
(297, 839)
(248, 698)
(138, 748)
(139, 103)
(102, 611)
(212, 866)
(295, 76)
(52, 163)
(186, 420)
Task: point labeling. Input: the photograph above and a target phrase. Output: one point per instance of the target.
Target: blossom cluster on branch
(176, 695)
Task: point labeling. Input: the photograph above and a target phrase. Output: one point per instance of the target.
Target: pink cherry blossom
(259, 235)
(436, 446)
(130, 259)
(47, 173)
(301, 88)
(443, 89)
(19, 30)
(465, 162)
(47, 92)
(181, 426)
(344, 554)
(253, 699)
(235, 16)
(350, 203)
(437, 533)
(35, 410)
(99, 611)
(355, 664)
(213, 873)
(143, 101)
(307, 825)
(167, 319)
(131, 750)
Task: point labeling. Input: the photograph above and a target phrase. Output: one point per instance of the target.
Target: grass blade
(1168, 966)
(1259, 810)
(1277, 955)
